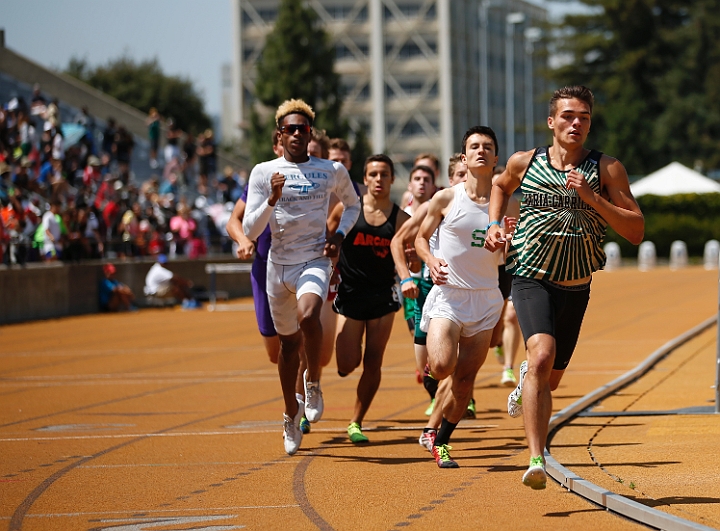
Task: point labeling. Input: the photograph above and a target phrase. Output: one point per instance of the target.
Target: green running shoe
(442, 456)
(430, 408)
(356, 434)
(508, 378)
(470, 411)
(535, 477)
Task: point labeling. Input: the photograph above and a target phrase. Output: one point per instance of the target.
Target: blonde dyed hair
(294, 107)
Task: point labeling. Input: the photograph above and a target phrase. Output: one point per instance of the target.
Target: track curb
(596, 494)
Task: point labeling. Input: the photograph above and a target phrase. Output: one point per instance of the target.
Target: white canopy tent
(674, 179)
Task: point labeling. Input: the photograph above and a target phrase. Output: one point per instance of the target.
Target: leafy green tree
(261, 131)
(361, 150)
(689, 92)
(297, 62)
(654, 66)
(144, 85)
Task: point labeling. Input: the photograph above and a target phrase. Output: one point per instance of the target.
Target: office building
(417, 73)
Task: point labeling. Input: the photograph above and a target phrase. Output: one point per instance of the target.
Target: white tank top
(432, 242)
(460, 242)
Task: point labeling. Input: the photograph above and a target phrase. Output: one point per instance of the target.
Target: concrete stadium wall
(44, 291)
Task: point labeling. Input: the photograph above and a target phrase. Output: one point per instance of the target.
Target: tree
(297, 62)
(361, 150)
(654, 66)
(143, 86)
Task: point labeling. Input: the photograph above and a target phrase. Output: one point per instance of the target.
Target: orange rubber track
(170, 419)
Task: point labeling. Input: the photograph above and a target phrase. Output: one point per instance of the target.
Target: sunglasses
(295, 128)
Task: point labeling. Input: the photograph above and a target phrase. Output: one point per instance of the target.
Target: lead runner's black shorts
(546, 308)
(504, 282)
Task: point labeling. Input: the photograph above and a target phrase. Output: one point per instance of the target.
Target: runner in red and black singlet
(366, 299)
(368, 270)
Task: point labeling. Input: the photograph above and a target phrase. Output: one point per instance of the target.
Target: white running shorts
(473, 310)
(287, 283)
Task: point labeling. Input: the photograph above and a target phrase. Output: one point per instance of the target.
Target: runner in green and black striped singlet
(569, 196)
(559, 237)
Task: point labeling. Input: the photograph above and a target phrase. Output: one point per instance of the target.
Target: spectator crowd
(68, 192)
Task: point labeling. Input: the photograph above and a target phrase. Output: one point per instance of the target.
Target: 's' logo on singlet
(478, 236)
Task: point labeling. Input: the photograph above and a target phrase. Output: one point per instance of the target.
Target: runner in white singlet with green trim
(465, 303)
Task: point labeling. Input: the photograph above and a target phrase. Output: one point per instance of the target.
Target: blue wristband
(491, 224)
(406, 280)
(341, 233)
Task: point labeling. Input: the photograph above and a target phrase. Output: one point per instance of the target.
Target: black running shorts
(504, 281)
(546, 308)
(364, 304)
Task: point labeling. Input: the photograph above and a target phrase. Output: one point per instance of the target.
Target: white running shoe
(313, 400)
(427, 439)
(535, 477)
(292, 434)
(515, 398)
(508, 378)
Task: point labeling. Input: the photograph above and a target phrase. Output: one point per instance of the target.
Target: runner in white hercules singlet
(298, 220)
(465, 304)
(292, 193)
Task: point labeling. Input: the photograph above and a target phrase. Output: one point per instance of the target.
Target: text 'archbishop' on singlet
(558, 236)
(365, 258)
(461, 240)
